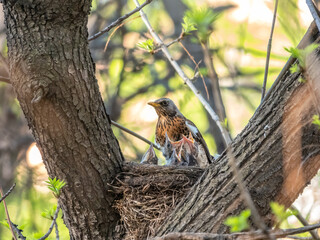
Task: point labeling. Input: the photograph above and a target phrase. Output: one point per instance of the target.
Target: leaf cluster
(55, 185)
(49, 213)
(280, 212)
(316, 120)
(240, 222)
(147, 45)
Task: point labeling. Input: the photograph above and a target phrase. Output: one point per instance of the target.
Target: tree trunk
(278, 153)
(53, 76)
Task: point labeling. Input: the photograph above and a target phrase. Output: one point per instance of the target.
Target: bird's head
(165, 107)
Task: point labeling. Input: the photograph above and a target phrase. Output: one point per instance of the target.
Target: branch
(52, 224)
(7, 193)
(314, 12)
(256, 235)
(4, 79)
(18, 231)
(314, 234)
(7, 213)
(118, 21)
(134, 134)
(268, 52)
(184, 77)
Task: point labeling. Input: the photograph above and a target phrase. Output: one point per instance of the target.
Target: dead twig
(7, 214)
(269, 52)
(18, 231)
(7, 193)
(118, 21)
(313, 233)
(134, 134)
(314, 12)
(5, 79)
(256, 235)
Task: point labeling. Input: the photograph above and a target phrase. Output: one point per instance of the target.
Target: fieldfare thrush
(172, 127)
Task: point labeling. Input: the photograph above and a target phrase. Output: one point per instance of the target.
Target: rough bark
(52, 73)
(278, 153)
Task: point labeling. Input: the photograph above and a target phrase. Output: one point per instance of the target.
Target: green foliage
(202, 19)
(316, 120)
(55, 186)
(301, 55)
(5, 224)
(147, 45)
(188, 25)
(280, 212)
(240, 222)
(49, 213)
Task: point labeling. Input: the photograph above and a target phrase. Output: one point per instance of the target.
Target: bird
(175, 125)
(150, 157)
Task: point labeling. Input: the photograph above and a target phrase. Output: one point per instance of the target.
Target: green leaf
(240, 222)
(188, 25)
(146, 45)
(49, 213)
(280, 212)
(301, 54)
(316, 120)
(202, 19)
(295, 68)
(55, 186)
(5, 224)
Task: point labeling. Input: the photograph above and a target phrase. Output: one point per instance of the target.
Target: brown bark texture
(278, 153)
(53, 76)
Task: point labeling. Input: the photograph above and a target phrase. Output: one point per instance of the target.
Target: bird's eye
(164, 103)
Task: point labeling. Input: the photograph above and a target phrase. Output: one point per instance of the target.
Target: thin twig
(18, 231)
(266, 70)
(134, 134)
(57, 230)
(313, 233)
(7, 193)
(314, 12)
(52, 224)
(118, 21)
(186, 80)
(7, 214)
(255, 235)
(4, 79)
(197, 67)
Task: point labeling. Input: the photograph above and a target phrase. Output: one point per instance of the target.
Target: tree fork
(53, 76)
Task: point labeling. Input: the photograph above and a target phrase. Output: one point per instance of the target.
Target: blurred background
(229, 48)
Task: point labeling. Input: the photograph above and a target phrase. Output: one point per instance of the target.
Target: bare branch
(52, 224)
(269, 52)
(7, 214)
(4, 79)
(118, 21)
(7, 193)
(186, 80)
(256, 235)
(313, 233)
(314, 12)
(134, 134)
(18, 231)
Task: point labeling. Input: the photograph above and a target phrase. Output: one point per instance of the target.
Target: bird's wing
(198, 137)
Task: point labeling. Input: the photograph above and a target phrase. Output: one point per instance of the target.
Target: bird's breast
(175, 127)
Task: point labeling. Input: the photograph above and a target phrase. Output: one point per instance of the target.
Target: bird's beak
(154, 104)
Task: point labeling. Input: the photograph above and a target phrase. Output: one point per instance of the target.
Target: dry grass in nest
(148, 200)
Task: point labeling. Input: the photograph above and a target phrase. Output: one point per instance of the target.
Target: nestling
(172, 122)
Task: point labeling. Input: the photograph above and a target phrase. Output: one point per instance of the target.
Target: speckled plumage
(172, 122)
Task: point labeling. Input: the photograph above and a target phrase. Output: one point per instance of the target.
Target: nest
(149, 196)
